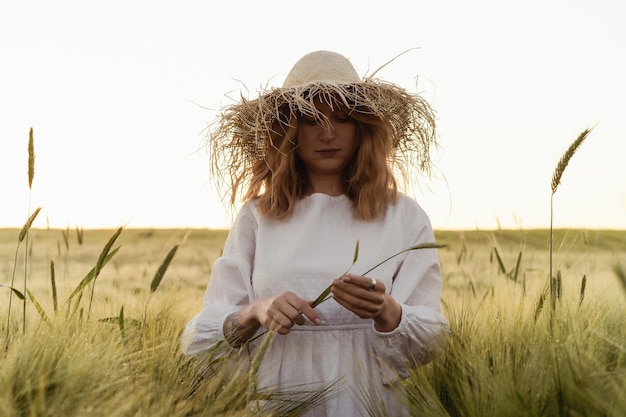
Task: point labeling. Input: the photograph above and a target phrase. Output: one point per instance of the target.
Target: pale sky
(119, 92)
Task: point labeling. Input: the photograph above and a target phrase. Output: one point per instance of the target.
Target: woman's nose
(328, 133)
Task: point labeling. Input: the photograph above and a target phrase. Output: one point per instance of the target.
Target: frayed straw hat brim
(242, 134)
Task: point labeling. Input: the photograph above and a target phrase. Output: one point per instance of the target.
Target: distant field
(141, 251)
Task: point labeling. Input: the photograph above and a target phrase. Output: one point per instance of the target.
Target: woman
(315, 160)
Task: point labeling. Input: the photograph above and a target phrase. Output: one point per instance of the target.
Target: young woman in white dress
(314, 162)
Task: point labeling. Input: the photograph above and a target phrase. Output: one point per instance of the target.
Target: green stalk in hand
(325, 295)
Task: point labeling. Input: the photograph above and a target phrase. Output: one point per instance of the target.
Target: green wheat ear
(28, 225)
(556, 180)
(31, 159)
(558, 172)
(158, 277)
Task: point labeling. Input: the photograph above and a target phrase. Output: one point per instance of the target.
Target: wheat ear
(558, 172)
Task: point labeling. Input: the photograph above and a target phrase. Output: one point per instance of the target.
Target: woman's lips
(328, 152)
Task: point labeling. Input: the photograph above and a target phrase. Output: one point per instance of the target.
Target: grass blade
(517, 265)
(105, 251)
(121, 324)
(80, 235)
(412, 248)
(499, 259)
(583, 285)
(38, 306)
(91, 275)
(53, 283)
(163, 268)
(356, 253)
(65, 239)
(17, 293)
(99, 265)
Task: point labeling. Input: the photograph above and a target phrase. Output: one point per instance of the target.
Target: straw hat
(241, 135)
(321, 67)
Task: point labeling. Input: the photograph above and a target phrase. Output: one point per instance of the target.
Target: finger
(357, 299)
(355, 303)
(290, 311)
(277, 320)
(368, 283)
(295, 309)
(285, 308)
(309, 312)
(298, 309)
(355, 308)
(299, 319)
(280, 329)
(281, 324)
(356, 288)
(297, 316)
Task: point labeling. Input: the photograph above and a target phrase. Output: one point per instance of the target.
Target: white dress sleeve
(420, 336)
(229, 287)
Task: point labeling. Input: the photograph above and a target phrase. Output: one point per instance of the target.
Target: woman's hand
(357, 294)
(280, 312)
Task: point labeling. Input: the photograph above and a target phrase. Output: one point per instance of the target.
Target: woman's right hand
(280, 312)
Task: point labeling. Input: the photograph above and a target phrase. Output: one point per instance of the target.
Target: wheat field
(114, 349)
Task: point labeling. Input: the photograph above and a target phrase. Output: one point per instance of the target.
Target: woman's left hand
(367, 298)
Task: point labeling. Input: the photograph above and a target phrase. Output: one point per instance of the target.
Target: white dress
(303, 254)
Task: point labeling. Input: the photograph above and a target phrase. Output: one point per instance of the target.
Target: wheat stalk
(31, 177)
(556, 180)
(100, 263)
(325, 294)
(24, 234)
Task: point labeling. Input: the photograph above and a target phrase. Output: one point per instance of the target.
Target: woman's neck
(330, 186)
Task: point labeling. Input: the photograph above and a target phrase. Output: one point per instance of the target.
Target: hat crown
(321, 67)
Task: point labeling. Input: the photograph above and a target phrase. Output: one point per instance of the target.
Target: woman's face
(326, 150)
